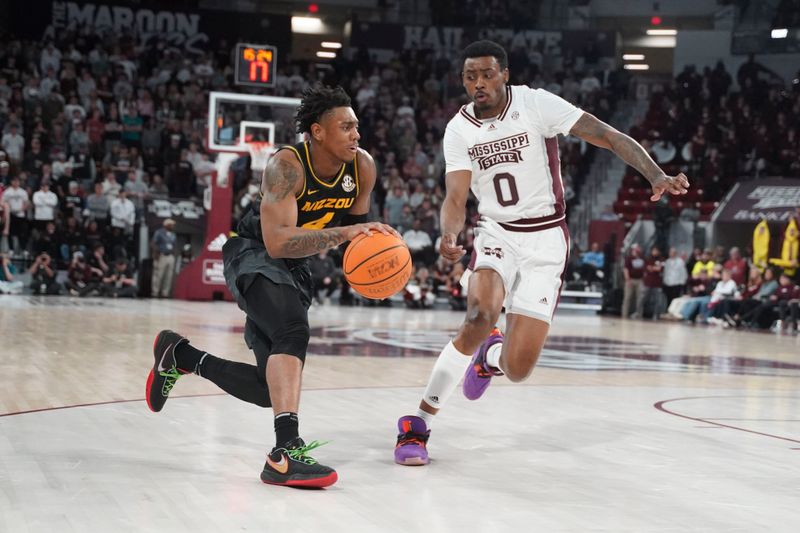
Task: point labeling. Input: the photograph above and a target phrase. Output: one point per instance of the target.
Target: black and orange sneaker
(165, 372)
(291, 466)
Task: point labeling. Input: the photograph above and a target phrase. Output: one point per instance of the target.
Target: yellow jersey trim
(355, 171)
(330, 185)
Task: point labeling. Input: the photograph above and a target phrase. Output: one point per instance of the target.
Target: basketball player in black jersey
(315, 196)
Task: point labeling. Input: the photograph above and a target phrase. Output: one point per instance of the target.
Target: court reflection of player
(503, 146)
(315, 196)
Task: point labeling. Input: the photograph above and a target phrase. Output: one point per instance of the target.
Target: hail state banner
(451, 40)
(770, 199)
(178, 22)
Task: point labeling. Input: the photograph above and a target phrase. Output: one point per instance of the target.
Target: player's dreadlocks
(484, 49)
(316, 102)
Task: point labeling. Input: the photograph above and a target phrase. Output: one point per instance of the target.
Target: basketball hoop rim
(260, 152)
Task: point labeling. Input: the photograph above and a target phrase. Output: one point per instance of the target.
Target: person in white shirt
(50, 59)
(675, 275)
(45, 202)
(13, 143)
(503, 146)
(420, 244)
(16, 198)
(123, 212)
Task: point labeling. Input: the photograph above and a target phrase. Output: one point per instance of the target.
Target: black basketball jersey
(320, 204)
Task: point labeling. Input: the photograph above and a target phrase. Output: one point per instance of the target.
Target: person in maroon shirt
(729, 307)
(633, 272)
(737, 265)
(652, 283)
(788, 305)
(766, 312)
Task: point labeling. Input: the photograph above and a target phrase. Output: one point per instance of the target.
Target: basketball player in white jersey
(503, 147)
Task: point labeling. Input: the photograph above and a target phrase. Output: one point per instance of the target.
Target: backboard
(236, 119)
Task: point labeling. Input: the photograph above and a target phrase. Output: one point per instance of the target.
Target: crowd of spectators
(93, 125)
(710, 287)
(719, 134)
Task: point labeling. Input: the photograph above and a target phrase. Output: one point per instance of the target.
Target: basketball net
(259, 154)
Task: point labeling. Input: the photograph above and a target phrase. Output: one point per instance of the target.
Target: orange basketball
(377, 266)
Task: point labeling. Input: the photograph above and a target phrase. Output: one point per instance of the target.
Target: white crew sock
(493, 355)
(447, 372)
(427, 417)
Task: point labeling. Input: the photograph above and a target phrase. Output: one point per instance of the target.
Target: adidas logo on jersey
(217, 243)
(434, 398)
(492, 127)
(543, 301)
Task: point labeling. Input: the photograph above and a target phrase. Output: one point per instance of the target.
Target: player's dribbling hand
(368, 228)
(449, 249)
(669, 184)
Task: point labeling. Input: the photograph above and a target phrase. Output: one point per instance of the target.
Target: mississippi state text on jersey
(513, 157)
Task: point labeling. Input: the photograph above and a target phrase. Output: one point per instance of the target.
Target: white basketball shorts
(531, 262)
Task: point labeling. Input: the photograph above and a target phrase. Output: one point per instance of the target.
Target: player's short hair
(484, 49)
(317, 101)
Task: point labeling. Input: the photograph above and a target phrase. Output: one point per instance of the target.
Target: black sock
(286, 428)
(187, 357)
(237, 379)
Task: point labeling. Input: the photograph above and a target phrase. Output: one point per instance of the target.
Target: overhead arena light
(331, 44)
(326, 55)
(633, 57)
(780, 33)
(307, 25)
(636, 67)
(660, 31)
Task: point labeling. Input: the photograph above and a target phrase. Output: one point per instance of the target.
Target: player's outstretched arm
(595, 131)
(454, 213)
(282, 180)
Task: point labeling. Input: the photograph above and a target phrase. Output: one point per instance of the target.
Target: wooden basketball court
(624, 426)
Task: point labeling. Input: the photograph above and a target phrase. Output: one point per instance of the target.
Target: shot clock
(255, 65)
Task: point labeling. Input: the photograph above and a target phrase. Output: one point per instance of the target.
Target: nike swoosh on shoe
(164, 356)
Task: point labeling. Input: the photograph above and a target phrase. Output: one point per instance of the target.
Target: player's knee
(480, 319)
(293, 340)
(520, 368)
(517, 372)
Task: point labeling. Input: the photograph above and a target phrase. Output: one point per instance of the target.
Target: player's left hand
(669, 184)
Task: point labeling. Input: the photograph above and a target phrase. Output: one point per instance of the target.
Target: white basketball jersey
(513, 157)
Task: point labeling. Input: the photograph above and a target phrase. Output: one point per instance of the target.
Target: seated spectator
(592, 263)
(98, 260)
(8, 283)
(746, 309)
(324, 274)
(704, 263)
(120, 282)
(765, 314)
(699, 293)
(419, 291)
(420, 244)
(788, 308)
(43, 276)
(729, 307)
(82, 279)
(726, 288)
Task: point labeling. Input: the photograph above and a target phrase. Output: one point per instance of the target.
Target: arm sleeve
(556, 115)
(456, 153)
